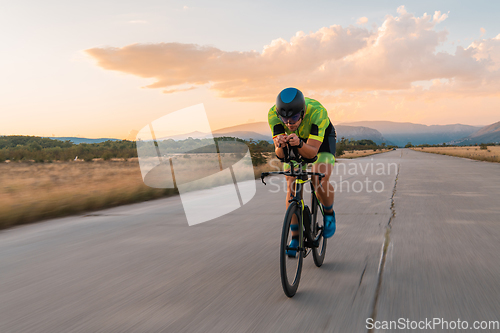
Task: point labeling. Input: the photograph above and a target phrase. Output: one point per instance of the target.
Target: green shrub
(258, 158)
(339, 151)
(107, 155)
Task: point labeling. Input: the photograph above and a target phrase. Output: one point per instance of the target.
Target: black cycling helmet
(290, 102)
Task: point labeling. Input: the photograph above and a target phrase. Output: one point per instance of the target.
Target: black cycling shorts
(329, 144)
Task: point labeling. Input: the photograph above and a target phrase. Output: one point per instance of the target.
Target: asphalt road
(141, 268)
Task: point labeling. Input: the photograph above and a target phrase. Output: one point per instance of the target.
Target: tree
(35, 146)
(256, 153)
(408, 145)
(340, 147)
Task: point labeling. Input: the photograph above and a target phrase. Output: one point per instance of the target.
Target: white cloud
(351, 60)
(487, 52)
(438, 17)
(362, 20)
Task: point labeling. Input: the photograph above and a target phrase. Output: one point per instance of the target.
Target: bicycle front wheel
(317, 228)
(291, 267)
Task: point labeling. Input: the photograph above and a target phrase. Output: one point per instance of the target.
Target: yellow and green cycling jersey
(315, 125)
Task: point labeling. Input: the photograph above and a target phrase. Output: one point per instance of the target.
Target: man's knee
(289, 187)
(325, 169)
(315, 181)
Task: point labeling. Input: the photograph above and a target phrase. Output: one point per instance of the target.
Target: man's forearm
(279, 152)
(308, 151)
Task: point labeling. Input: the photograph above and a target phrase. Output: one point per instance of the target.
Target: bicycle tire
(287, 265)
(317, 221)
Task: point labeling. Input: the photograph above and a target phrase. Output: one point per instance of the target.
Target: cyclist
(303, 122)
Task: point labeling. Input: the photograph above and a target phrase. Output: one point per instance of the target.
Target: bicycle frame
(301, 177)
(309, 237)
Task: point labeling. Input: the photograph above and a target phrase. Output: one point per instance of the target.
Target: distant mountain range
(256, 131)
(391, 133)
(245, 135)
(77, 141)
(487, 134)
(402, 133)
(194, 135)
(262, 131)
(360, 133)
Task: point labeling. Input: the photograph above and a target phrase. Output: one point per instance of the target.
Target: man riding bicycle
(303, 123)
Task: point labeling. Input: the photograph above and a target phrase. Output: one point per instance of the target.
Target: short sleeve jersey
(313, 126)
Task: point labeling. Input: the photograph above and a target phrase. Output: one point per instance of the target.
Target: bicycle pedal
(291, 252)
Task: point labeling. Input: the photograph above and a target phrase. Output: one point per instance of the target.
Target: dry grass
(31, 192)
(361, 153)
(35, 191)
(492, 154)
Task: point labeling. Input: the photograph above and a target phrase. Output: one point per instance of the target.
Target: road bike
(310, 222)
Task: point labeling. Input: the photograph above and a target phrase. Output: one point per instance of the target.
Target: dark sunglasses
(291, 120)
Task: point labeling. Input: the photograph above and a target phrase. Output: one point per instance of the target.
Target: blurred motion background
(399, 80)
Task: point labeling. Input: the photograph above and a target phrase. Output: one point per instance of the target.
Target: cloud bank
(338, 63)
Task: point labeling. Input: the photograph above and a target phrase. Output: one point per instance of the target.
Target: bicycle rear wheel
(317, 226)
(290, 268)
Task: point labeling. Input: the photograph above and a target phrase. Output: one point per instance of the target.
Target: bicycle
(310, 229)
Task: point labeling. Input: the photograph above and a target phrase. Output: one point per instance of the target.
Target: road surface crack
(360, 280)
(385, 246)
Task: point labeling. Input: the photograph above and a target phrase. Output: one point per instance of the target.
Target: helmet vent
(288, 95)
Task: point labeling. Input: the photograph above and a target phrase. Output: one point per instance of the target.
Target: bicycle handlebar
(292, 154)
(263, 175)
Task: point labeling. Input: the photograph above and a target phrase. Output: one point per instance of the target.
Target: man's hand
(280, 141)
(293, 139)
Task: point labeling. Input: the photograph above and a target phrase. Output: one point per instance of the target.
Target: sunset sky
(106, 68)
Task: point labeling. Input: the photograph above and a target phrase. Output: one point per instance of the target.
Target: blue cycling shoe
(295, 244)
(330, 226)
